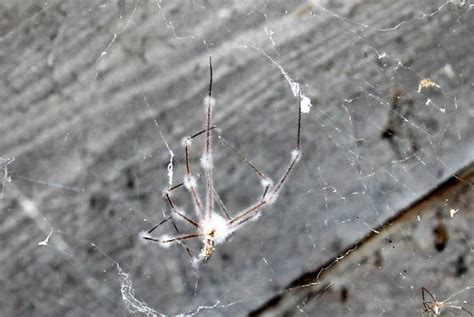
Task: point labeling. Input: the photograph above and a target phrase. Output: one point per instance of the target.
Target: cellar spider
(211, 227)
(435, 307)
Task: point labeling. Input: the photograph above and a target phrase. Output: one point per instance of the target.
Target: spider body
(207, 249)
(212, 228)
(436, 307)
(214, 231)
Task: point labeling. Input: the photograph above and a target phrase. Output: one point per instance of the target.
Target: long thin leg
(266, 181)
(247, 214)
(174, 209)
(215, 194)
(200, 132)
(294, 160)
(162, 222)
(263, 178)
(190, 184)
(455, 304)
(427, 304)
(428, 308)
(173, 223)
(207, 156)
(467, 311)
(296, 155)
(221, 204)
(183, 243)
(459, 292)
(265, 191)
(268, 197)
(175, 239)
(425, 290)
(461, 308)
(189, 220)
(189, 180)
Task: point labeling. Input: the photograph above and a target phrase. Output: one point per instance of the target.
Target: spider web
(98, 96)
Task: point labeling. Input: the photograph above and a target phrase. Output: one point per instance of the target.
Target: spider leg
(266, 181)
(162, 222)
(427, 308)
(271, 193)
(463, 309)
(195, 195)
(189, 220)
(175, 210)
(189, 179)
(455, 304)
(190, 183)
(296, 155)
(221, 204)
(183, 243)
(425, 290)
(248, 213)
(263, 178)
(183, 237)
(467, 311)
(175, 239)
(459, 292)
(206, 159)
(199, 133)
(265, 191)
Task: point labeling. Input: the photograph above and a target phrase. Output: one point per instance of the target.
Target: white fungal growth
(252, 218)
(142, 235)
(180, 210)
(170, 168)
(186, 141)
(452, 212)
(266, 182)
(255, 218)
(206, 161)
(195, 263)
(295, 154)
(305, 104)
(270, 198)
(28, 206)
(165, 192)
(165, 238)
(215, 228)
(209, 100)
(189, 182)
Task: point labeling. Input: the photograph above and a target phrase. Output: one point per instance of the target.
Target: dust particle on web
(427, 83)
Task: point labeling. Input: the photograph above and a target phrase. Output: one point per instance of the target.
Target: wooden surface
(92, 90)
(381, 272)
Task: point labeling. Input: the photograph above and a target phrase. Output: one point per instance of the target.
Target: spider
(211, 227)
(436, 307)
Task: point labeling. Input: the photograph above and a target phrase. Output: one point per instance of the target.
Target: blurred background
(96, 97)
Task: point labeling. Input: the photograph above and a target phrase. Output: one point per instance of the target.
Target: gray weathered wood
(88, 88)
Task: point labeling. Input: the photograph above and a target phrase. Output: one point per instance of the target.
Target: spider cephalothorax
(213, 228)
(435, 307)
